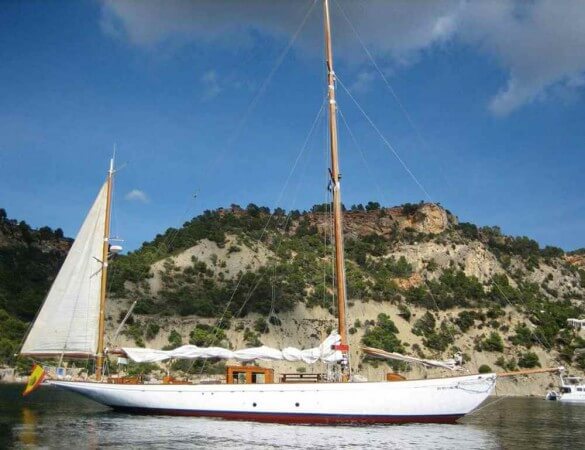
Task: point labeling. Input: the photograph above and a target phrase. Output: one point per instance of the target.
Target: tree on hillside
(372, 206)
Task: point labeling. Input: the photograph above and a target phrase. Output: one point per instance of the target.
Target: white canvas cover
(68, 320)
(323, 353)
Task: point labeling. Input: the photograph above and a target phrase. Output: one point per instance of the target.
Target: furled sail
(67, 323)
(451, 364)
(324, 353)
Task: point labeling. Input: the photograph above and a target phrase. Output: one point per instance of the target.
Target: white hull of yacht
(436, 400)
(573, 397)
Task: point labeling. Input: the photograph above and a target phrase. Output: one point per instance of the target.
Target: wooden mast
(104, 280)
(336, 188)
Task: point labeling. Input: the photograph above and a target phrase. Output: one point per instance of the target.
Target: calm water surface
(50, 418)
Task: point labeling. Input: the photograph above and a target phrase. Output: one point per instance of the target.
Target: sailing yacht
(71, 324)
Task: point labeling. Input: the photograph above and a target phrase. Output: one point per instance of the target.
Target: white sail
(67, 323)
(324, 353)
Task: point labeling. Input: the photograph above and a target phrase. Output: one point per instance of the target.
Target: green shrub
(383, 335)
(261, 326)
(404, 312)
(509, 365)
(528, 360)
(273, 320)
(152, 330)
(523, 336)
(175, 339)
(492, 343)
(252, 339)
(438, 341)
(205, 335)
(141, 368)
(432, 265)
(425, 325)
(465, 320)
(484, 368)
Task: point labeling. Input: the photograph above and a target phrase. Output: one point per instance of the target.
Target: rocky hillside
(419, 282)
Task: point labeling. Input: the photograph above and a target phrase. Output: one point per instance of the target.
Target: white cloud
(538, 43)
(211, 85)
(136, 195)
(363, 81)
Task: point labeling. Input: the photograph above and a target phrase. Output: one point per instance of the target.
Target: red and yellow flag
(35, 378)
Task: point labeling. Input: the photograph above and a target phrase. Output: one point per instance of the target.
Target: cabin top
(248, 375)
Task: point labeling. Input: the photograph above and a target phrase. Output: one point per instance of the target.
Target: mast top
(111, 171)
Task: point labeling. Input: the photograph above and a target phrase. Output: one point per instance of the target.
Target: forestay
(67, 323)
(323, 353)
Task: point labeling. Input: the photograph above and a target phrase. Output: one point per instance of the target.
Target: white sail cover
(67, 323)
(323, 353)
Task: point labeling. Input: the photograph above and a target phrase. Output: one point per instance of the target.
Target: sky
(476, 105)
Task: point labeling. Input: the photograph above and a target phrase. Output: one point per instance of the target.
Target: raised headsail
(67, 323)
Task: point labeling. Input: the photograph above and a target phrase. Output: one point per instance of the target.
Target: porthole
(254, 404)
(297, 404)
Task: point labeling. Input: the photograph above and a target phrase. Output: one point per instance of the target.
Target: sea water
(50, 418)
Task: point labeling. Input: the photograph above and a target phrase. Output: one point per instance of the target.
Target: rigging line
(379, 70)
(549, 346)
(289, 215)
(326, 231)
(390, 88)
(253, 288)
(449, 330)
(362, 154)
(492, 403)
(382, 196)
(168, 241)
(331, 237)
(327, 228)
(408, 118)
(260, 92)
(390, 147)
(301, 153)
(259, 240)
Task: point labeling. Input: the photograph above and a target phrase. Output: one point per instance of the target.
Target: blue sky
(493, 93)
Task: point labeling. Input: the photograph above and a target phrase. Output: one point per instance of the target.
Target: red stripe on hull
(308, 419)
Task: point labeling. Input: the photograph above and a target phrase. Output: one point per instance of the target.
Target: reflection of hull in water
(431, 401)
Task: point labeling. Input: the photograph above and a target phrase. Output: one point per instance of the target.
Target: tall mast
(336, 187)
(105, 252)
